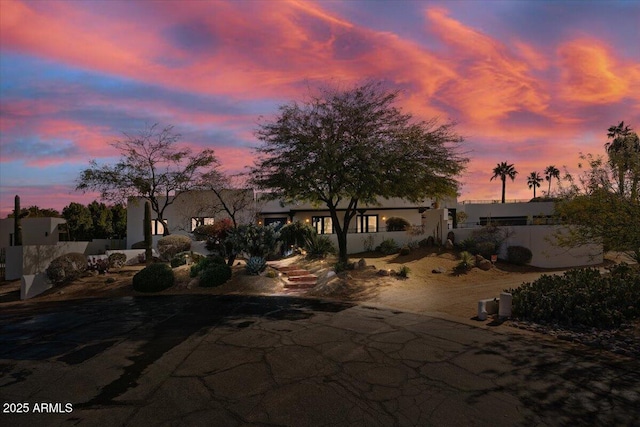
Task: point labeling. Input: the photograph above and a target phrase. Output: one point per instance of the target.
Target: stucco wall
(35, 231)
(477, 210)
(33, 259)
(539, 239)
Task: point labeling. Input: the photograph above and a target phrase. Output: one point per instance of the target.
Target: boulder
(485, 265)
(439, 270)
(362, 264)
(479, 259)
(383, 272)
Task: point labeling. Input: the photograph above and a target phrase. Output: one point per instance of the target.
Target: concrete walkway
(232, 361)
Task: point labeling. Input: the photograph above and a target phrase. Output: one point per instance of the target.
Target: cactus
(255, 265)
(17, 223)
(148, 242)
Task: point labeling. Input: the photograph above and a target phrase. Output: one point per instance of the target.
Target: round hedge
(117, 260)
(204, 263)
(215, 275)
(67, 267)
(519, 255)
(153, 278)
(173, 244)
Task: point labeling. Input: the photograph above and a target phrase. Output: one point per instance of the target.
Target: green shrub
(215, 275)
(296, 234)
(204, 263)
(272, 274)
(319, 246)
(67, 267)
(469, 245)
(117, 260)
(395, 223)
(388, 247)
(170, 246)
(153, 278)
(255, 265)
(486, 249)
(181, 258)
(405, 250)
(404, 271)
(519, 255)
(466, 263)
(581, 297)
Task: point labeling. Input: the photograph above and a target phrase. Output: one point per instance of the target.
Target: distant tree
(502, 171)
(119, 221)
(79, 221)
(102, 220)
(623, 151)
(549, 173)
(36, 212)
(533, 181)
(151, 167)
(354, 146)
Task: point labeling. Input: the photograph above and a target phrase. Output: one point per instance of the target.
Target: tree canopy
(151, 166)
(603, 204)
(355, 146)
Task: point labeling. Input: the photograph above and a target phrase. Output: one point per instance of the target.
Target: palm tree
(624, 152)
(549, 173)
(502, 171)
(534, 180)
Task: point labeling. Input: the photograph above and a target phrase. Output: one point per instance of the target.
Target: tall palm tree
(624, 152)
(502, 171)
(549, 173)
(533, 180)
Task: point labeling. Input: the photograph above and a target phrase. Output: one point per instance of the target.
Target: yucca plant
(466, 263)
(256, 265)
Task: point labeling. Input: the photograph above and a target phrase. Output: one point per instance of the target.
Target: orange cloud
(592, 75)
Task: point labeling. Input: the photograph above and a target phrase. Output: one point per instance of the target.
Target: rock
(439, 270)
(351, 266)
(448, 244)
(484, 265)
(479, 259)
(193, 283)
(362, 264)
(383, 272)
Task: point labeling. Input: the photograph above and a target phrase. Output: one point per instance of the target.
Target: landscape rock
(383, 273)
(439, 270)
(485, 265)
(448, 244)
(479, 258)
(362, 264)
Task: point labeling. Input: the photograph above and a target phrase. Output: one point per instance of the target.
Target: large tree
(151, 166)
(603, 205)
(533, 181)
(502, 171)
(345, 148)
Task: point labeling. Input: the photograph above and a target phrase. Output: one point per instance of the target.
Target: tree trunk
(504, 187)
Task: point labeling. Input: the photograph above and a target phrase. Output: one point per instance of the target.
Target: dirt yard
(423, 291)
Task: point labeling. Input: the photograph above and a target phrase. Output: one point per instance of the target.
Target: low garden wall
(540, 240)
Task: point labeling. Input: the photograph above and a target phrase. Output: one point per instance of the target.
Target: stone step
(293, 273)
(299, 285)
(287, 268)
(304, 278)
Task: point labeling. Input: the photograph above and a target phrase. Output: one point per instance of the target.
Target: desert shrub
(138, 245)
(469, 245)
(181, 258)
(215, 275)
(368, 243)
(396, 223)
(405, 250)
(173, 244)
(466, 263)
(117, 260)
(519, 255)
(67, 267)
(404, 271)
(388, 247)
(490, 233)
(100, 265)
(296, 234)
(486, 249)
(272, 274)
(204, 263)
(319, 247)
(255, 265)
(153, 278)
(581, 298)
(253, 240)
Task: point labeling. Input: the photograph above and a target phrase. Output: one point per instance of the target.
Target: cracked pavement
(241, 361)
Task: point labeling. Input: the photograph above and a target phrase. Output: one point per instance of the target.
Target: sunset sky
(532, 83)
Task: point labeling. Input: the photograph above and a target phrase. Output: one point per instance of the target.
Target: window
(367, 224)
(198, 221)
(157, 227)
(322, 224)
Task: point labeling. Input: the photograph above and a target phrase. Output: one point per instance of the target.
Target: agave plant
(256, 265)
